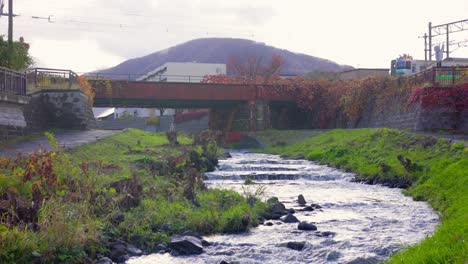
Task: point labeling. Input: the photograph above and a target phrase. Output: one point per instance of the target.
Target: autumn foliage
(348, 100)
(86, 88)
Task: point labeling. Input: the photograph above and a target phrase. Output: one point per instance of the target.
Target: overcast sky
(86, 35)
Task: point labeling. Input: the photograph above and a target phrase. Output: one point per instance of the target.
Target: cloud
(255, 15)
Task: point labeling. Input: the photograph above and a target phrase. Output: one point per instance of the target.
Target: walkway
(65, 139)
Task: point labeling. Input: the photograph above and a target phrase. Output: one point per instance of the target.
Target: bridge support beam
(248, 116)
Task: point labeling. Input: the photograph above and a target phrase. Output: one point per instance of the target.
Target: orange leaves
(86, 88)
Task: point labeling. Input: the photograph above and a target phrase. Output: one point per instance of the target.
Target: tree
(253, 67)
(17, 60)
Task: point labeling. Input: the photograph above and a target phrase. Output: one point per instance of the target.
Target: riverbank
(431, 170)
(123, 195)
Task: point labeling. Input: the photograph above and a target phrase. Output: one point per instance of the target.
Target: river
(358, 223)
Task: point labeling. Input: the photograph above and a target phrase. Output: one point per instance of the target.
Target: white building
(101, 113)
(183, 72)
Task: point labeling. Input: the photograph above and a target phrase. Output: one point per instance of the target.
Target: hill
(219, 50)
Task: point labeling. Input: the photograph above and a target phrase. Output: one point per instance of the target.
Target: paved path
(65, 139)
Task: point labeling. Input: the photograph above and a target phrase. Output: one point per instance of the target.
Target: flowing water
(358, 223)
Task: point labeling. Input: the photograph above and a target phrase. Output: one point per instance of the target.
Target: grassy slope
(76, 218)
(439, 177)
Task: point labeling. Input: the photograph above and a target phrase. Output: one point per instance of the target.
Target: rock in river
(301, 200)
(277, 208)
(134, 251)
(186, 245)
(306, 226)
(289, 218)
(296, 245)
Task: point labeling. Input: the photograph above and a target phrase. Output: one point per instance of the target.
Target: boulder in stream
(315, 206)
(186, 245)
(301, 200)
(296, 245)
(277, 208)
(289, 218)
(306, 226)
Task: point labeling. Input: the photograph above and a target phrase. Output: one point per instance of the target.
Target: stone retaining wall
(415, 118)
(22, 115)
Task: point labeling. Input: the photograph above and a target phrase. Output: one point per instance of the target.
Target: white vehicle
(402, 67)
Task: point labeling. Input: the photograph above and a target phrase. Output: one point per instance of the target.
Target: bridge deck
(133, 93)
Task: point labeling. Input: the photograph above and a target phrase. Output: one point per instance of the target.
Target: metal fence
(44, 78)
(12, 82)
(449, 76)
(441, 76)
(142, 77)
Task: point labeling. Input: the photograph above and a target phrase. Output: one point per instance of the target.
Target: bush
(153, 120)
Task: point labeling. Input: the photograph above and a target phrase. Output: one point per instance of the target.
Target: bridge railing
(12, 82)
(449, 76)
(142, 77)
(51, 79)
(441, 76)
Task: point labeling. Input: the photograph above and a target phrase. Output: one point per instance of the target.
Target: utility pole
(448, 42)
(430, 41)
(10, 23)
(425, 46)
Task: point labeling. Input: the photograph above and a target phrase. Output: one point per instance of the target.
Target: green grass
(438, 175)
(284, 137)
(76, 218)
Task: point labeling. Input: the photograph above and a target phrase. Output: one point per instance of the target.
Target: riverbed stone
(273, 200)
(308, 209)
(224, 262)
(316, 206)
(268, 223)
(325, 234)
(296, 245)
(161, 247)
(118, 244)
(192, 233)
(134, 251)
(301, 200)
(105, 261)
(306, 226)
(186, 245)
(277, 208)
(272, 216)
(117, 254)
(289, 218)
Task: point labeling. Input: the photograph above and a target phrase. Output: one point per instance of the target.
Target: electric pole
(10, 24)
(430, 41)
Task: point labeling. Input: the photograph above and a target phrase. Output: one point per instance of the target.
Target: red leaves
(37, 167)
(85, 168)
(433, 97)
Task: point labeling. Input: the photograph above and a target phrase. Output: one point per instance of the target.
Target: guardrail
(44, 78)
(12, 82)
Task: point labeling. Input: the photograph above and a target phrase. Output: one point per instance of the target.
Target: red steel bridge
(182, 95)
